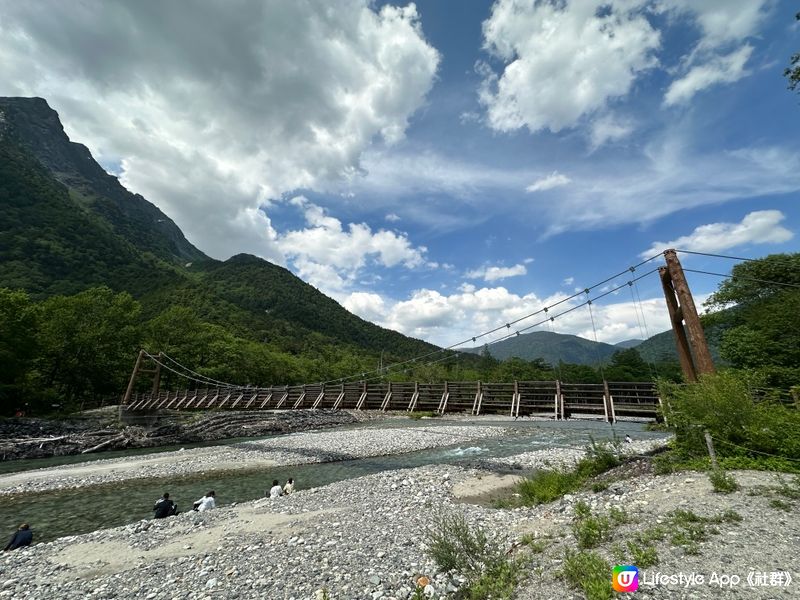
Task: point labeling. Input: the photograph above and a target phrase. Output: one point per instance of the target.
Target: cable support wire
(569, 310)
(644, 331)
(507, 325)
(714, 255)
(205, 380)
(734, 276)
(727, 443)
(594, 329)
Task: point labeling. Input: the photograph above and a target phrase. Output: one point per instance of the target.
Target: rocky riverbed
(108, 429)
(294, 449)
(368, 538)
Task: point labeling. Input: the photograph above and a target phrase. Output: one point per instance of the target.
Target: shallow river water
(68, 512)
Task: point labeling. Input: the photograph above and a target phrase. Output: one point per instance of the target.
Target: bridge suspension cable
(507, 325)
(745, 278)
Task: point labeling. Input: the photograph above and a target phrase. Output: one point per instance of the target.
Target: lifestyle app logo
(625, 578)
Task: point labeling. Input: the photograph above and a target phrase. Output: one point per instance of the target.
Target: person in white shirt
(289, 487)
(275, 491)
(207, 502)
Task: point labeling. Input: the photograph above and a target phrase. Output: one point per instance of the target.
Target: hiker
(22, 537)
(164, 507)
(207, 502)
(276, 490)
(628, 439)
(289, 487)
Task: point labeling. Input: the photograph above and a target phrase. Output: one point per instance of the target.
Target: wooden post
(704, 364)
(711, 453)
(681, 343)
(136, 367)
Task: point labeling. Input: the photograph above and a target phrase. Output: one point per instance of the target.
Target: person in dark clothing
(164, 507)
(22, 537)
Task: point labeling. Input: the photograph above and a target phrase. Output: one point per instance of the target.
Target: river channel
(68, 512)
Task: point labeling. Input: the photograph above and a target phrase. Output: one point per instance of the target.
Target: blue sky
(444, 166)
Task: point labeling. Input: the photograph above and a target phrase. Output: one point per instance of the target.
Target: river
(68, 512)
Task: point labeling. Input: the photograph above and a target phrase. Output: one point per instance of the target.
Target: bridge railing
(555, 399)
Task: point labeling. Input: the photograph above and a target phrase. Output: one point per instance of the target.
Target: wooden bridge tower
(693, 352)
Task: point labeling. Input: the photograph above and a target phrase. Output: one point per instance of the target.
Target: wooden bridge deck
(555, 399)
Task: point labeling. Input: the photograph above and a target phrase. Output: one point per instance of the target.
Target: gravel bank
(293, 449)
(366, 539)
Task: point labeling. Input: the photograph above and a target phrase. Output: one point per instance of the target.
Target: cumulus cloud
(328, 255)
(392, 217)
(565, 63)
(563, 60)
(213, 110)
(757, 227)
(554, 180)
(719, 56)
(449, 319)
(497, 273)
(720, 69)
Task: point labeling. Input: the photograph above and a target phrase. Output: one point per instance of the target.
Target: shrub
(589, 572)
(546, 486)
(456, 546)
(722, 482)
(723, 404)
(643, 556)
(589, 530)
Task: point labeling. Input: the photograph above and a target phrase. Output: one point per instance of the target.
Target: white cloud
(497, 273)
(366, 305)
(562, 60)
(449, 319)
(569, 280)
(392, 217)
(720, 69)
(719, 56)
(566, 63)
(670, 175)
(607, 129)
(328, 256)
(757, 227)
(213, 110)
(554, 180)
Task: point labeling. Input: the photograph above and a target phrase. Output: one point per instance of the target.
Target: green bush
(643, 556)
(722, 482)
(724, 404)
(456, 546)
(589, 572)
(546, 486)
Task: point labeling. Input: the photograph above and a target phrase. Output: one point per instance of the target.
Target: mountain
(552, 348)
(628, 343)
(661, 346)
(68, 225)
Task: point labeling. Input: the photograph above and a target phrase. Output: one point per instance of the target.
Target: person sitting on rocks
(164, 507)
(628, 439)
(22, 537)
(276, 490)
(289, 487)
(205, 503)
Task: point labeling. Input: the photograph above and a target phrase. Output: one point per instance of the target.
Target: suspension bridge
(371, 391)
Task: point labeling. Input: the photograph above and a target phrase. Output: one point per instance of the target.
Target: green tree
(17, 347)
(763, 300)
(792, 72)
(87, 343)
(627, 365)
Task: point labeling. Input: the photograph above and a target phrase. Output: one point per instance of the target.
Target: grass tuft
(723, 483)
